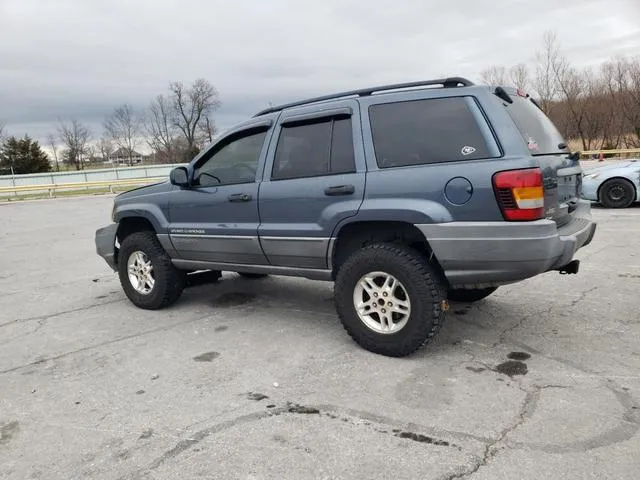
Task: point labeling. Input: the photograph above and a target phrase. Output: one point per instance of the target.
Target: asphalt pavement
(256, 379)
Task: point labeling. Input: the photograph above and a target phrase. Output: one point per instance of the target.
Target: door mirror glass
(179, 176)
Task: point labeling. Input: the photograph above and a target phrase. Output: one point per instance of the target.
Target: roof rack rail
(445, 82)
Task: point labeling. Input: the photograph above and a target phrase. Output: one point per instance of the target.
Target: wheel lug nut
(390, 304)
(384, 294)
(375, 294)
(384, 311)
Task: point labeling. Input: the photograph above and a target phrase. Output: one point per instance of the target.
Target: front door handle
(239, 197)
(340, 190)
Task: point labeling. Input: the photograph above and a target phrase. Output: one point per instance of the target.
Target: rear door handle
(239, 197)
(340, 190)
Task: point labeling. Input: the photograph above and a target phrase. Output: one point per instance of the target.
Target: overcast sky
(81, 58)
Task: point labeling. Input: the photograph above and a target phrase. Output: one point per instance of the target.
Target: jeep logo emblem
(467, 150)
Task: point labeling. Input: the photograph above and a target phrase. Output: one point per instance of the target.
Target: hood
(613, 166)
(163, 186)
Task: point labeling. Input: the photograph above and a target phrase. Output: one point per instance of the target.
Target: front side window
(313, 149)
(233, 162)
(426, 131)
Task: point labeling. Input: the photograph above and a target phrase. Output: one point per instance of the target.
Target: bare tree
(124, 127)
(519, 76)
(2, 133)
(160, 129)
(569, 86)
(613, 104)
(51, 142)
(207, 131)
(75, 136)
(191, 107)
(550, 63)
(630, 90)
(494, 75)
(105, 148)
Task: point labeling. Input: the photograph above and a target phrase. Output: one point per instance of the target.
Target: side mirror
(179, 176)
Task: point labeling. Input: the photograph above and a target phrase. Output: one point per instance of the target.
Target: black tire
(168, 280)
(617, 193)
(468, 296)
(253, 276)
(424, 288)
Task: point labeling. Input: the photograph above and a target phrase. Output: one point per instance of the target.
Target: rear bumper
(106, 244)
(480, 254)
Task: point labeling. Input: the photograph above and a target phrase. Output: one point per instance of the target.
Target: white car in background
(614, 186)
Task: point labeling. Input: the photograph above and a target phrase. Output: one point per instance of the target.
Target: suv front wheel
(617, 193)
(389, 299)
(146, 273)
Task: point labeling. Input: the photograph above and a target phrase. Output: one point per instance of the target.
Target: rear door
(314, 178)
(562, 176)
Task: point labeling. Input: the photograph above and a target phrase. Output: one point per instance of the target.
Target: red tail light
(520, 194)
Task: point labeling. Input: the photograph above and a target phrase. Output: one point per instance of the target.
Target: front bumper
(106, 244)
(590, 189)
(482, 254)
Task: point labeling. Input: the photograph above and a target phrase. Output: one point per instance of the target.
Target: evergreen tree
(24, 155)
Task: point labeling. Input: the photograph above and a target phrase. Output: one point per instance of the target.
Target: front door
(216, 219)
(315, 181)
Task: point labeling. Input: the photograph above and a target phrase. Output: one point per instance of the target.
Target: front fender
(149, 211)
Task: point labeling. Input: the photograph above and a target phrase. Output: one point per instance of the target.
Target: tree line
(597, 108)
(594, 108)
(176, 125)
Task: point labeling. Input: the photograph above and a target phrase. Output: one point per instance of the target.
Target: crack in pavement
(583, 295)
(325, 411)
(503, 335)
(52, 315)
(527, 409)
(42, 360)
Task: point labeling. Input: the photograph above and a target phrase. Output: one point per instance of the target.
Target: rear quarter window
(428, 131)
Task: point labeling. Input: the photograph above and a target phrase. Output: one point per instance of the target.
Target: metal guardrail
(52, 187)
(110, 183)
(91, 175)
(619, 151)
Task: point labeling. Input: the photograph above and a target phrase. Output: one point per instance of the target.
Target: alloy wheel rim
(140, 271)
(382, 303)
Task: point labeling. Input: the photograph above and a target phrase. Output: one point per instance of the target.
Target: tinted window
(426, 131)
(314, 149)
(342, 156)
(537, 130)
(232, 162)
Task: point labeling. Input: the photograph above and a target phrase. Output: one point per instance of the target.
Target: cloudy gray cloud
(80, 58)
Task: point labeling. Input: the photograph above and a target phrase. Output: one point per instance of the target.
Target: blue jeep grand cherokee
(406, 196)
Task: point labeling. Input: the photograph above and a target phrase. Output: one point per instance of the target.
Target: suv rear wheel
(471, 295)
(389, 299)
(146, 273)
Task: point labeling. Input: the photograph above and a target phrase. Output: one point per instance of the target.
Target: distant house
(121, 156)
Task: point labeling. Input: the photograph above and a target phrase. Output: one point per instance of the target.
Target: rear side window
(426, 131)
(313, 149)
(538, 131)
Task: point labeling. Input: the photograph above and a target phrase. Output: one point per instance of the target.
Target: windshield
(537, 130)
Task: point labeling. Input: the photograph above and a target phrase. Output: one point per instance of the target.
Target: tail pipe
(570, 268)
